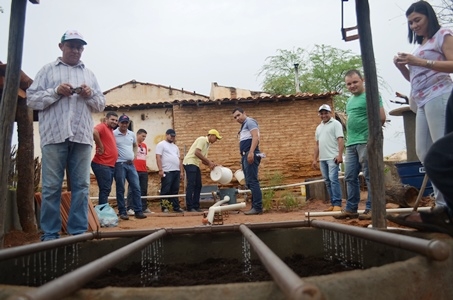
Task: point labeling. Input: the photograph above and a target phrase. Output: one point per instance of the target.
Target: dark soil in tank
(211, 271)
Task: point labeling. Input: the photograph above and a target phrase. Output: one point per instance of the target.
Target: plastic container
(221, 175)
(412, 173)
(239, 175)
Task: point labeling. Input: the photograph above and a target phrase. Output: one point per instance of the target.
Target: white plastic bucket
(239, 175)
(221, 175)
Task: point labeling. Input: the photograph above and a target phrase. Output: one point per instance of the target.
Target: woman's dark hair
(424, 8)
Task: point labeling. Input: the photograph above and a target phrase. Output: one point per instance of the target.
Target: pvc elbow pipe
(217, 208)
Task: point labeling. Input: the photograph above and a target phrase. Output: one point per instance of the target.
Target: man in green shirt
(356, 146)
(198, 152)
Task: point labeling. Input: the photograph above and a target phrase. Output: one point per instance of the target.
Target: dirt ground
(173, 220)
(212, 271)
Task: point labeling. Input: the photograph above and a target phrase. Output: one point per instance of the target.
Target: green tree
(320, 70)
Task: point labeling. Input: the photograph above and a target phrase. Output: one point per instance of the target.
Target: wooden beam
(375, 136)
(8, 103)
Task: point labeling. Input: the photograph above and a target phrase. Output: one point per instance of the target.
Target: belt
(127, 162)
(244, 153)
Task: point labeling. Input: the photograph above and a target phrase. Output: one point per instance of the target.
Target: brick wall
(287, 135)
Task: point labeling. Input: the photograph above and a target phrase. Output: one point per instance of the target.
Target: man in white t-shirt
(329, 152)
(170, 169)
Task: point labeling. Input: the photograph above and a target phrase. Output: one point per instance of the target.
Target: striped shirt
(61, 117)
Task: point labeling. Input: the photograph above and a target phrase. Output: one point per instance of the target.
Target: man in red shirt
(142, 170)
(103, 163)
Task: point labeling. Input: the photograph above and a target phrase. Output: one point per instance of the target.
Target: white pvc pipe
(390, 210)
(217, 209)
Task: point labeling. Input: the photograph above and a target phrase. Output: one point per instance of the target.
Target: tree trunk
(25, 167)
(404, 196)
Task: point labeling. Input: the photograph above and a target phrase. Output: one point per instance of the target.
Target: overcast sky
(191, 43)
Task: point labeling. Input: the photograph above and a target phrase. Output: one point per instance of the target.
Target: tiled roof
(198, 102)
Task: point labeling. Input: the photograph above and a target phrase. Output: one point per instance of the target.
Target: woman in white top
(427, 69)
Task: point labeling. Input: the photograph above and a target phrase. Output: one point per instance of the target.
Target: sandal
(437, 220)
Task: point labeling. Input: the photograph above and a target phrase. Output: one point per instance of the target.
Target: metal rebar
(289, 282)
(71, 282)
(433, 249)
(32, 248)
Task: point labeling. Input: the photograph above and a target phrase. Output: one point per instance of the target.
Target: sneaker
(178, 210)
(130, 212)
(336, 208)
(147, 211)
(253, 212)
(140, 216)
(346, 215)
(366, 215)
(124, 217)
(195, 210)
(165, 210)
(329, 209)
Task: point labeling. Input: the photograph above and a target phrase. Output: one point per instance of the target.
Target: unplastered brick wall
(287, 135)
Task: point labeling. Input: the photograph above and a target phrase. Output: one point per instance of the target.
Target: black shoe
(140, 216)
(124, 217)
(178, 210)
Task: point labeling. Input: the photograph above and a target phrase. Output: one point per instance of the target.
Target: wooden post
(25, 165)
(375, 150)
(8, 103)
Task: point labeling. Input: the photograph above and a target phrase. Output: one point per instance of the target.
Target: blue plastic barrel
(412, 173)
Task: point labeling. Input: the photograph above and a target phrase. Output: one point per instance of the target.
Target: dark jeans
(143, 181)
(193, 188)
(104, 177)
(123, 172)
(251, 180)
(169, 185)
(439, 167)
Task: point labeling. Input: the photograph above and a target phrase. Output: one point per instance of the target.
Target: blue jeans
(251, 180)
(169, 185)
(55, 158)
(194, 186)
(123, 172)
(429, 127)
(356, 160)
(329, 170)
(104, 177)
(143, 182)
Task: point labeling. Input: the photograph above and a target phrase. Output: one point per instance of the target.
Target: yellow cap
(216, 133)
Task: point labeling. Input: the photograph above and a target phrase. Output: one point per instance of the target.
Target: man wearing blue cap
(65, 93)
(126, 143)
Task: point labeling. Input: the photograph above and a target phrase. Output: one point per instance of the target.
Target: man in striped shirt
(65, 93)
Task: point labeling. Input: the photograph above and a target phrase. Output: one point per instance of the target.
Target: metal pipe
(433, 249)
(32, 248)
(204, 229)
(289, 282)
(389, 210)
(71, 282)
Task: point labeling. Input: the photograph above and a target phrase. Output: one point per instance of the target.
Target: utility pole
(296, 74)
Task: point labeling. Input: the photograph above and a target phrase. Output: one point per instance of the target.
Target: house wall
(287, 136)
(133, 93)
